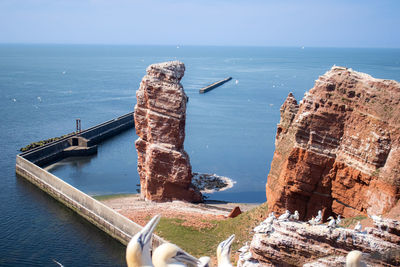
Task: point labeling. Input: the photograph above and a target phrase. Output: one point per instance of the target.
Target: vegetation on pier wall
(43, 142)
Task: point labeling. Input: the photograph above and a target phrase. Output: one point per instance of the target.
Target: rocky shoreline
(211, 183)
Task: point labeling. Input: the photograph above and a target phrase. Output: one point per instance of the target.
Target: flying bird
(138, 249)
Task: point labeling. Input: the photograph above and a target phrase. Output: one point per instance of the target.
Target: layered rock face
(160, 114)
(338, 149)
(291, 243)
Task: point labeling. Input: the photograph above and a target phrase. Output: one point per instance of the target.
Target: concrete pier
(214, 85)
(83, 143)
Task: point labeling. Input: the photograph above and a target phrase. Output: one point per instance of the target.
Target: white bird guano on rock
(224, 252)
(138, 249)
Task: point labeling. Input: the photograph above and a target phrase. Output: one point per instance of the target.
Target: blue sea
(230, 131)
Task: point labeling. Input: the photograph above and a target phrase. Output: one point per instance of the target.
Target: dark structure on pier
(82, 143)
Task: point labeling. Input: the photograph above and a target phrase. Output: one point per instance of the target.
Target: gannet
(318, 219)
(263, 228)
(358, 227)
(338, 220)
(224, 252)
(270, 218)
(204, 261)
(170, 255)
(377, 221)
(138, 249)
(295, 216)
(285, 216)
(353, 259)
(311, 221)
(332, 222)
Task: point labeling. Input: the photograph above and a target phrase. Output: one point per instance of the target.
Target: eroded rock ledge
(294, 243)
(339, 148)
(160, 113)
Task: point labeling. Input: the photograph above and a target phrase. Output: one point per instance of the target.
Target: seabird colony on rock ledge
(169, 255)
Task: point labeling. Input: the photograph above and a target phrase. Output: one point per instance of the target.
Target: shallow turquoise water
(230, 131)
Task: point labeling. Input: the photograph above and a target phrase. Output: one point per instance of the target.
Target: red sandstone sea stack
(338, 149)
(160, 114)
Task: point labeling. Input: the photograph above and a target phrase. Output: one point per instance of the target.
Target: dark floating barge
(214, 85)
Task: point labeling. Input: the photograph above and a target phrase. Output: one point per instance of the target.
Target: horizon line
(196, 45)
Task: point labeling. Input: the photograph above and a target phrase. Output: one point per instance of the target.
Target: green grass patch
(43, 142)
(352, 221)
(107, 197)
(204, 241)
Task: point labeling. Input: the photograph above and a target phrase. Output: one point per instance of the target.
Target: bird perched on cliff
(358, 227)
(138, 249)
(318, 219)
(338, 220)
(263, 228)
(332, 222)
(353, 259)
(295, 216)
(170, 255)
(224, 252)
(270, 218)
(285, 216)
(378, 221)
(311, 221)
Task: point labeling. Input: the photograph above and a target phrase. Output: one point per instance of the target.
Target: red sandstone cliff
(160, 113)
(338, 149)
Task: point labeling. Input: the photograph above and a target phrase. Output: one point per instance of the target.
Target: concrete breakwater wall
(28, 165)
(85, 142)
(105, 218)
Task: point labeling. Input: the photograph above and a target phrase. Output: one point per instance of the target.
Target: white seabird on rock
(358, 227)
(285, 216)
(338, 220)
(318, 219)
(295, 216)
(270, 218)
(377, 221)
(332, 222)
(263, 228)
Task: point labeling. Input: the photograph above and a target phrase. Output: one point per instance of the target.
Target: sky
(317, 23)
